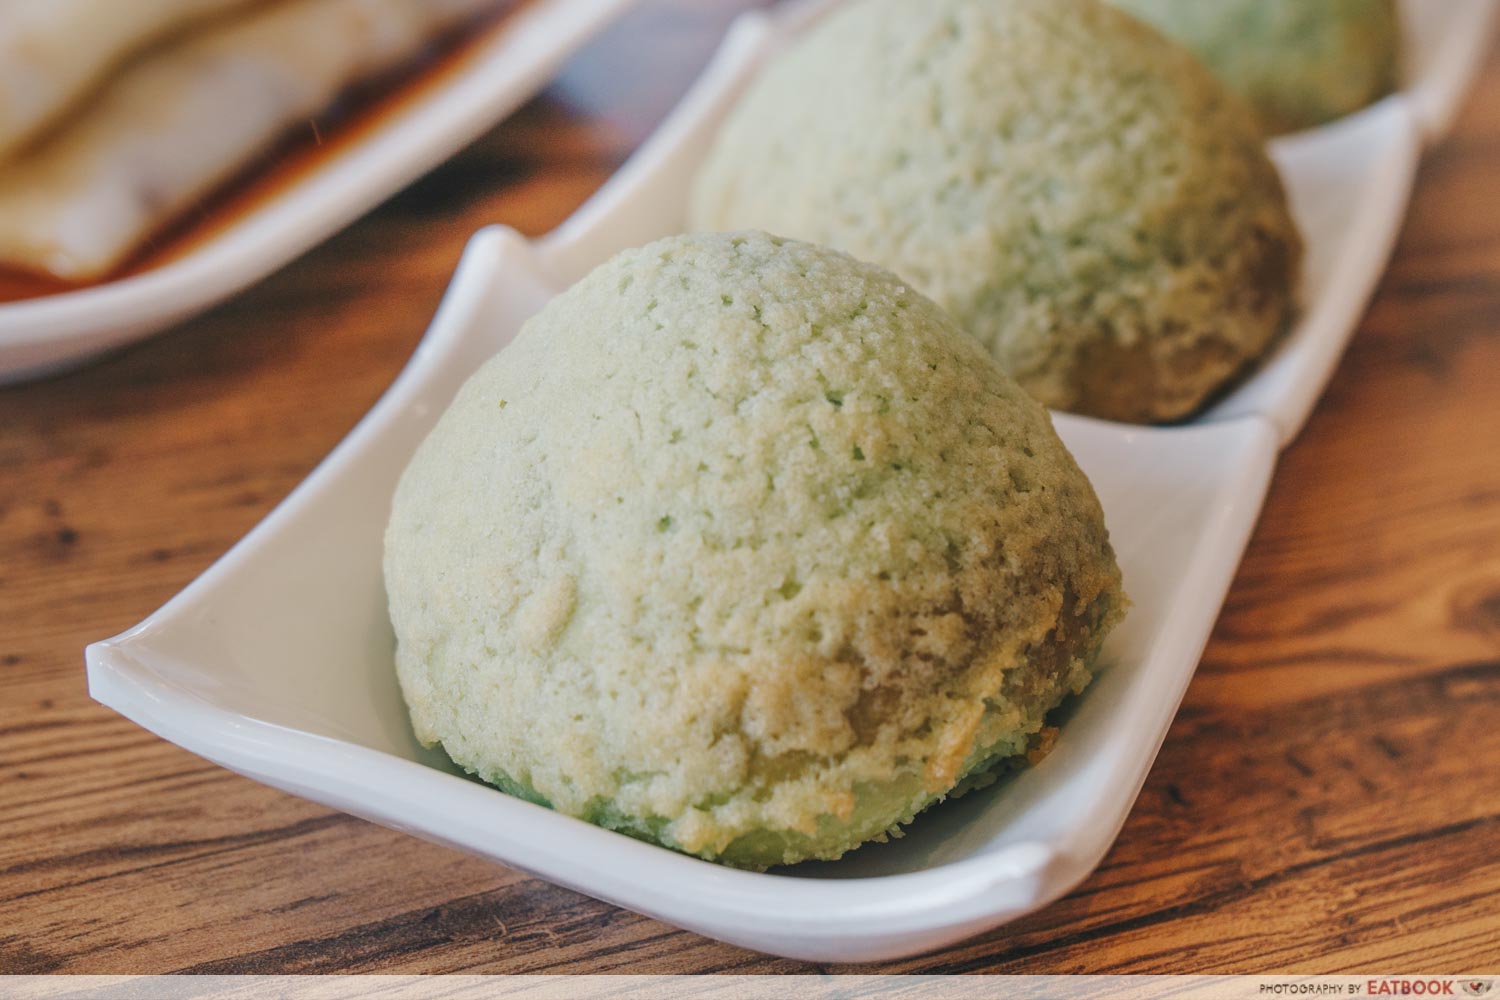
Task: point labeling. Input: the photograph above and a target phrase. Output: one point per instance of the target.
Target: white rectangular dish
(41, 335)
(277, 662)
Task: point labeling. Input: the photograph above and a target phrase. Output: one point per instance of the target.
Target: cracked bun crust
(744, 547)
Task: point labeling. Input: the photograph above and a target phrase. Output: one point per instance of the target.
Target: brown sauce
(357, 116)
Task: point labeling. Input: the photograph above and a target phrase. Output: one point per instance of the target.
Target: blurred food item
(1078, 191)
(1299, 62)
(52, 51)
(183, 119)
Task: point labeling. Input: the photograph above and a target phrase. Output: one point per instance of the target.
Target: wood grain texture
(1328, 799)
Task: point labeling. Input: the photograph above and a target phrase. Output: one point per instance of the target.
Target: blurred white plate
(277, 663)
(41, 335)
(1445, 42)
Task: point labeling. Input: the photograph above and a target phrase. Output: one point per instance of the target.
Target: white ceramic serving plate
(38, 336)
(277, 662)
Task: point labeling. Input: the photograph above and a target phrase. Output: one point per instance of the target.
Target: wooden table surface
(1328, 799)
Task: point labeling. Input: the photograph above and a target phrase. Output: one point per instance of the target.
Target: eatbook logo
(1477, 987)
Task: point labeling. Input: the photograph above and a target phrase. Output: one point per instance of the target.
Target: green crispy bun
(1300, 63)
(743, 547)
(1079, 192)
